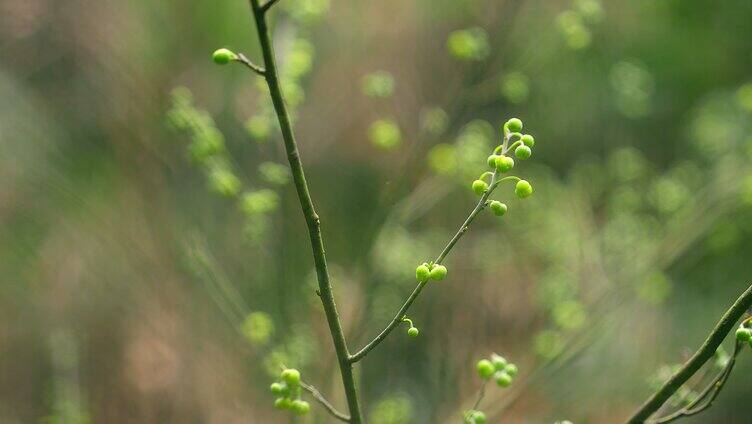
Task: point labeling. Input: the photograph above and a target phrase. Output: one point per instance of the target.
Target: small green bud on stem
(485, 368)
(743, 334)
(504, 163)
(514, 125)
(422, 273)
(413, 332)
(223, 56)
(438, 272)
(528, 140)
(300, 407)
(291, 376)
(498, 208)
(523, 189)
(480, 187)
(523, 152)
(503, 379)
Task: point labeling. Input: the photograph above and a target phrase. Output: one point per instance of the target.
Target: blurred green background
(154, 265)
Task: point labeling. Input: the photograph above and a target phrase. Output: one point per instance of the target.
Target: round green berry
(499, 362)
(479, 187)
(278, 389)
(514, 125)
(503, 379)
(438, 272)
(300, 407)
(523, 152)
(492, 160)
(479, 417)
(283, 403)
(223, 56)
(743, 334)
(504, 163)
(291, 376)
(528, 140)
(523, 189)
(422, 273)
(485, 368)
(413, 332)
(498, 208)
(511, 369)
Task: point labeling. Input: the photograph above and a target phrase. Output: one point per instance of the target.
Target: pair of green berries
(499, 368)
(223, 56)
(522, 189)
(430, 271)
(288, 392)
(475, 417)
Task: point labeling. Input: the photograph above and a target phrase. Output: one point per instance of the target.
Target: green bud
(300, 407)
(504, 163)
(499, 362)
(485, 368)
(528, 140)
(480, 187)
(413, 332)
(283, 403)
(279, 389)
(479, 417)
(511, 369)
(503, 379)
(523, 189)
(523, 152)
(498, 208)
(422, 273)
(291, 376)
(223, 56)
(492, 160)
(514, 125)
(743, 334)
(438, 272)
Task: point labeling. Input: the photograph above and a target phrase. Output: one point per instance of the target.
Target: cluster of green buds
(430, 271)
(498, 368)
(288, 391)
(744, 332)
(501, 163)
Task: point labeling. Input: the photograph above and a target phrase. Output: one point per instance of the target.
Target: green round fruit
(291, 376)
(504, 163)
(422, 273)
(498, 208)
(523, 152)
(485, 368)
(278, 389)
(479, 187)
(283, 403)
(438, 272)
(413, 332)
(514, 125)
(743, 334)
(503, 379)
(492, 160)
(523, 189)
(511, 369)
(300, 407)
(528, 140)
(499, 362)
(479, 417)
(223, 56)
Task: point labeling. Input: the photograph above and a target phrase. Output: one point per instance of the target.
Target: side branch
(268, 5)
(706, 351)
(444, 253)
(325, 403)
(252, 66)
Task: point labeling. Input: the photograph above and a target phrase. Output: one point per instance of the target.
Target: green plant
(464, 45)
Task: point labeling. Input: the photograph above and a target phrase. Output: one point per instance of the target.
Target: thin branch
(713, 389)
(309, 212)
(706, 351)
(481, 393)
(325, 403)
(252, 66)
(482, 203)
(268, 5)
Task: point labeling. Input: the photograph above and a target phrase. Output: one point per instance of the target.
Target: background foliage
(132, 292)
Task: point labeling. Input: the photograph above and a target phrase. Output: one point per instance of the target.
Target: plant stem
(706, 351)
(306, 204)
(444, 253)
(325, 403)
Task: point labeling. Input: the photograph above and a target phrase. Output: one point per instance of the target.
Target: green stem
(706, 351)
(306, 204)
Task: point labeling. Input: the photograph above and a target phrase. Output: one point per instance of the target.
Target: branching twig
(325, 403)
(481, 393)
(268, 5)
(706, 351)
(309, 212)
(252, 66)
(482, 203)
